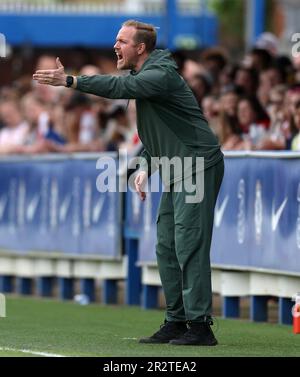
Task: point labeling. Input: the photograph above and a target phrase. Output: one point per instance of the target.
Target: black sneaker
(198, 334)
(167, 332)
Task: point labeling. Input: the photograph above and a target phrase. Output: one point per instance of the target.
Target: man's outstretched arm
(147, 84)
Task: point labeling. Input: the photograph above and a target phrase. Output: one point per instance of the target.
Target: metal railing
(52, 6)
(104, 6)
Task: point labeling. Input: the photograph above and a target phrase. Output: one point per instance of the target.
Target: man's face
(126, 48)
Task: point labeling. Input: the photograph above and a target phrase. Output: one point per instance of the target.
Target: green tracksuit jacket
(171, 124)
(169, 120)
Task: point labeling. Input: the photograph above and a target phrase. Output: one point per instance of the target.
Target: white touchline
(46, 354)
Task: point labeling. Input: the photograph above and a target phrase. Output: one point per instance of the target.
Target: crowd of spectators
(253, 104)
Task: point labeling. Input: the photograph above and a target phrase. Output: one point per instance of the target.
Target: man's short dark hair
(145, 33)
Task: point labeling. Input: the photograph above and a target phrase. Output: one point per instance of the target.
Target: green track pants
(184, 233)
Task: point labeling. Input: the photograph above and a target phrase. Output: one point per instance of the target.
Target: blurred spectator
(35, 114)
(46, 62)
(90, 70)
(200, 85)
(40, 124)
(276, 103)
(246, 80)
(269, 78)
(82, 125)
(296, 65)
(275, 136)
(253, 119)
(249, 104)
(191, 69)
(292, 97)
(269, 42)
(46, 93)
(214, 61)
(230, 133)
(296, 119)
(15, 128)
(258, 59)
(107, 64)
(118, 128)
(132, 138)
(231, 136)
(229, 102)
(210, 107)
(285, 66)
(227, 76)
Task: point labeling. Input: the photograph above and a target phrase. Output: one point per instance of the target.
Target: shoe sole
(153, 341)
(174, 343)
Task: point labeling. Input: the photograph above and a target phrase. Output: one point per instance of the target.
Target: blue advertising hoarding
(257, 215)
(53, 205)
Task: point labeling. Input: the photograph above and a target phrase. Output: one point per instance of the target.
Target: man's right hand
(140, 182)
(55, 77)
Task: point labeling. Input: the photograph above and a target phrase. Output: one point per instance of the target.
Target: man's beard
(125, 66)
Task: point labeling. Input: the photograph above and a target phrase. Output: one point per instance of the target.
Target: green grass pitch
(66, 328)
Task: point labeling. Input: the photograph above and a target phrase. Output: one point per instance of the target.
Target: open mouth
(119, 56)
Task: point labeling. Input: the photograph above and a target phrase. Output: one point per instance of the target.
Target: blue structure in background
(42, 29)
(255, 14)
(56, 201)
(177, 29)
(258, 18)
